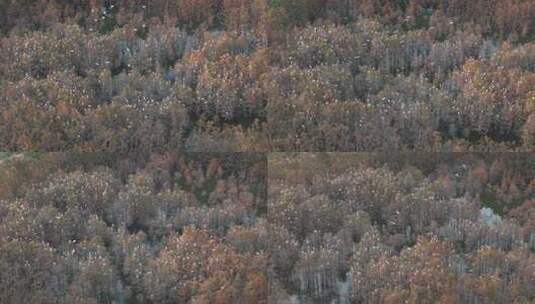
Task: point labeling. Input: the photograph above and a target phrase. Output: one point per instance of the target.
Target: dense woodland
(135, 77)
(150, 151)
(372, 228)
(176, 228)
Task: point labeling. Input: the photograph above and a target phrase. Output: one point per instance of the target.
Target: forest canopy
(133, 77)
(267, 151)
(377, 228)
(177, 228)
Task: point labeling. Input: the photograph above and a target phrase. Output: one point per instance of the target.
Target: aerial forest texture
(172, 229)
(371, 228)
(132, 77)
(267, 151)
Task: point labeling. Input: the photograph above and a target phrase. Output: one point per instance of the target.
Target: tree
(193, 13)
(428, 277)
(30, 272)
